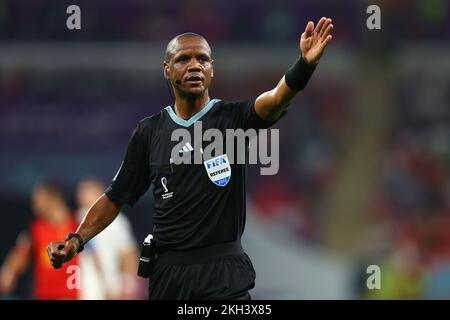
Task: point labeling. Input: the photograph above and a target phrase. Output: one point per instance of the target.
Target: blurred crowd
(412, 203)
(250, 21)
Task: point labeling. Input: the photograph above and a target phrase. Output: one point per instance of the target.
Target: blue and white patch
(218, 170)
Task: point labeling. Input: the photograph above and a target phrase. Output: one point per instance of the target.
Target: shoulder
(233, 108)
(150, 121)
(146, 126)
(237, 104)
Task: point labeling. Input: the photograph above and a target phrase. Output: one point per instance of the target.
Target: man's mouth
(194, 79)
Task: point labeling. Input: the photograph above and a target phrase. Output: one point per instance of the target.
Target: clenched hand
(60, 252)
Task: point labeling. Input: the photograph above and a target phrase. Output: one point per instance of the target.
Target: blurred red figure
(52, 219)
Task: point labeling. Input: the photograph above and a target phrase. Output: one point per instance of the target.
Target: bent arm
(271, 104)
(98, 217)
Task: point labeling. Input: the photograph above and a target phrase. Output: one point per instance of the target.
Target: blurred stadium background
(365, 154)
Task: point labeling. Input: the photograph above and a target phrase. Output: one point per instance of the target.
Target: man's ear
(166, 70)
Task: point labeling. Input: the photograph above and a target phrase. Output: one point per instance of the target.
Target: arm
(271, 104)
(15, 264)
(99, 216)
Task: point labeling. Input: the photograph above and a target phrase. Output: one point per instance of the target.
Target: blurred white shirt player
(109, 262)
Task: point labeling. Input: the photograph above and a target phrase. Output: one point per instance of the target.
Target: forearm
(99, 216)
(271, 104)
(283, 94)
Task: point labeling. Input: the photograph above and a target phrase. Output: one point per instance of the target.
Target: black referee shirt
(191, 209)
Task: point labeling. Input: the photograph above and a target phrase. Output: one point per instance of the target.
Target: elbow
(279, 101)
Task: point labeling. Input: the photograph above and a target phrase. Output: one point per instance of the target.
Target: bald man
(199, 213)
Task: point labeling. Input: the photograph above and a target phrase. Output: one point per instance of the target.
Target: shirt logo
(186, 148)
(218, 170)
(167, 194)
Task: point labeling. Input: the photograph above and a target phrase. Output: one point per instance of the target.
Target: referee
(198, 219)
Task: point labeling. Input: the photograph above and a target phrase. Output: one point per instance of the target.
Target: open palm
(314, 40)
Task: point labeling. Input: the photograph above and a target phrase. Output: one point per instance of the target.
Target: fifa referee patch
(218, 170)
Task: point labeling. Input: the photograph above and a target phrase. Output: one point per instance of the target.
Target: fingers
(57, 254)
(53, 247)
(326, 41)
(320, 25)
(327, 31)
(325, 25)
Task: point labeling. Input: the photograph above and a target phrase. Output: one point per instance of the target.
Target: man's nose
(194, 65)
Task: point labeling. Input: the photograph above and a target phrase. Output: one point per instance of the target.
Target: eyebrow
(186, 55)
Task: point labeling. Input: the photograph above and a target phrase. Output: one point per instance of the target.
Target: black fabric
(199, 213)
(133, 178)
(245, 296)
(225, 279)
(297, 77)
(190, 211)
(200, 255)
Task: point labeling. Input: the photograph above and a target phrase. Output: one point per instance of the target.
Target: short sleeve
(247, 118)
(133, 178)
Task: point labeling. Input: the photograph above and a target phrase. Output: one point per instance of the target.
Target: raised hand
(314, 40)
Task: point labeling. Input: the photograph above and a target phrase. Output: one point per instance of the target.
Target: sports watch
(80, 240)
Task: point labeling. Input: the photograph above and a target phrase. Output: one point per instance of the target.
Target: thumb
(309, 29)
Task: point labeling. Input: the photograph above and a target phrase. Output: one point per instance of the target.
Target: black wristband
(298, 75)
(80, 240)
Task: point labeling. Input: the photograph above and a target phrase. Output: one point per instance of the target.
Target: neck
(186, 107)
